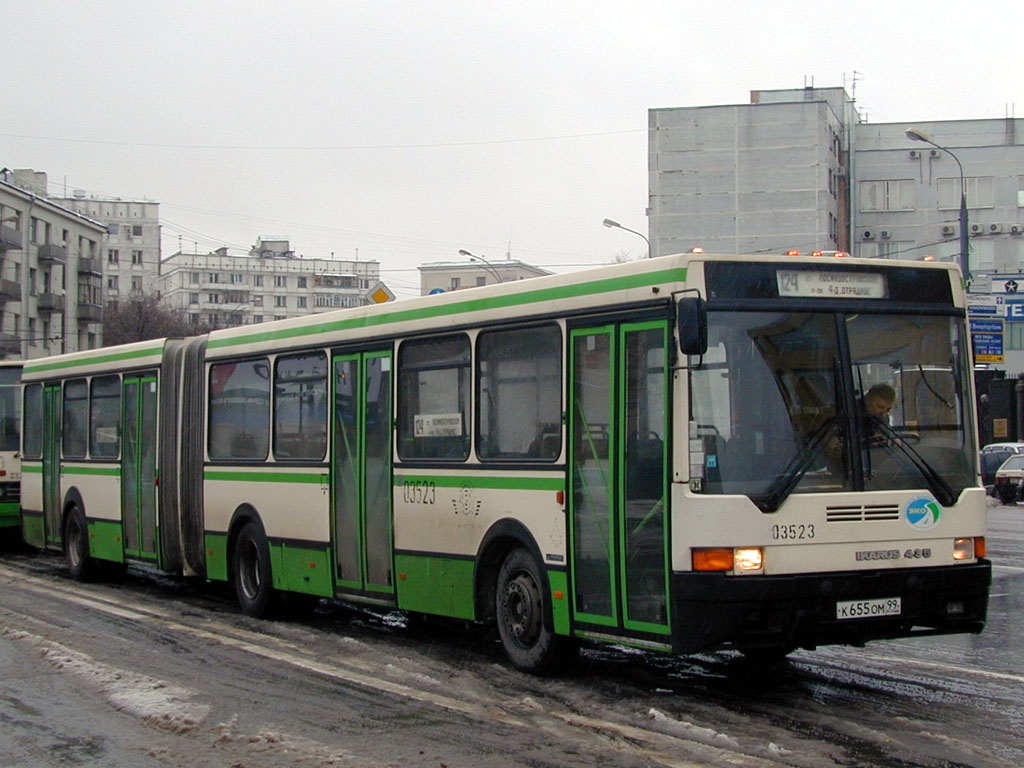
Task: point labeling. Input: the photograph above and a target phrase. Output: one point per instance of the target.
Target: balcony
(51, 302)
(9, 291)
(9, 345)
(51, 253)
(89, 313)
(90, 267)
(10, 239)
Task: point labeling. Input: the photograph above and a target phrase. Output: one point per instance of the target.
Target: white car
(1009, 477)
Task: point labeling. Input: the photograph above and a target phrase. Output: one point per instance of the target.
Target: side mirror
(692, 326)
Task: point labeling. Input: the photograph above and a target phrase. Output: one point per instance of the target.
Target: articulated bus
(10, 446)
(671, 454)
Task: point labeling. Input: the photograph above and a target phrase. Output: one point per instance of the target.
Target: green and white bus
(10, 446)
(670, 454)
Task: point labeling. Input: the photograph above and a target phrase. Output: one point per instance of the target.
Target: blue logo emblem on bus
(922, 513)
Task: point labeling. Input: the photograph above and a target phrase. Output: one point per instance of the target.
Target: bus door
(52, 403)
(361, 473)
(138, 466)
(618, 479)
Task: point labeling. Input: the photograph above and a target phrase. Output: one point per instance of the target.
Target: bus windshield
(812, 402)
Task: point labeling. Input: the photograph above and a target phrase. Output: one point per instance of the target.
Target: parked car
(992, 457)
(1009, 477)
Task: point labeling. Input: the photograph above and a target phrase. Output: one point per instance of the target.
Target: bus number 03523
(792, 532)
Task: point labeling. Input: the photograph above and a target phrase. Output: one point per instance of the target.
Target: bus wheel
(251, 572)
(76, 546)
(521, 608)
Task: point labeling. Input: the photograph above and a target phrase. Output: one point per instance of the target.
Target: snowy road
(154, 672)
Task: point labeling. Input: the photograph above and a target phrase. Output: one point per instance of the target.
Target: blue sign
(987, 326)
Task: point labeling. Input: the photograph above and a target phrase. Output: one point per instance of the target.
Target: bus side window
(433, 398)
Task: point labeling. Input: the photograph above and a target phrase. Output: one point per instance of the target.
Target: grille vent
(862, 514)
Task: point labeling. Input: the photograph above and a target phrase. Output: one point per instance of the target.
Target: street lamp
(916, 135)
(610, 223)
(487, 265)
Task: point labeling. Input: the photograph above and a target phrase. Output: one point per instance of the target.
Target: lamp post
(916, 135)
(487, 265)
(610, 223)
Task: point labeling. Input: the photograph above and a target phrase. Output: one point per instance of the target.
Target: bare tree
(144, 317)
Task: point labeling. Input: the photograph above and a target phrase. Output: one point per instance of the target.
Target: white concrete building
(131, 248)
(802, 169)
(445, 276)
(271, 283)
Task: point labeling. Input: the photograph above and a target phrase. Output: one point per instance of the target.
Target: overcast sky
(406, 130)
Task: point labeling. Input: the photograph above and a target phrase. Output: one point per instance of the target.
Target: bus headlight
(969, 549)
(749, 559)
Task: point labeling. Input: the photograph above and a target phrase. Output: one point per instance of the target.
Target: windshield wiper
(795, 470)
(942, 490)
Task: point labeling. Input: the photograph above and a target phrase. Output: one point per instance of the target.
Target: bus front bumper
(713, 610)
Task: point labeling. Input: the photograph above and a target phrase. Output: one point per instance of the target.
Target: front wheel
(251, 572)
(76, 546)
(523, 612)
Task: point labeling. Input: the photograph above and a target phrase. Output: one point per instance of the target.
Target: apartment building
(51, 272)
(270, 283)
(131, 248)
(801, 169)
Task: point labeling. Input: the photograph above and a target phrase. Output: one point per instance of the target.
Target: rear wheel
(524, 622)
(1007, 494)
(76, 546)
(251, 572)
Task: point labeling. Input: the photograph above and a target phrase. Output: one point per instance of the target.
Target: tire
(81, 565)
(1006, 495)
(251, 573)
(523, 611)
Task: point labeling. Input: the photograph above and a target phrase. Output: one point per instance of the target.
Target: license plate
(866, 609)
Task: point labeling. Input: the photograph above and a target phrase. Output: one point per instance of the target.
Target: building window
(433, 411)
(280, 301)
(112, 283)
(257, 280)
(136, 230)
(213, 298)
(237, 278)
(214, 277)
(137, 283)
(112, 256)
(257, 301)
(257, 318)
(280, 281)
(193, 277)
(1020, 191)
(888, 195)
(136, 257)
(301, 302)
(193, 298)
(455, 283)
(481, 280)
(1014, 336)
(31, 281)
(302, 282)
(979, 193)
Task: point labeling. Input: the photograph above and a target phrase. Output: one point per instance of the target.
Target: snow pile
(157, 702)
(692, 732)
